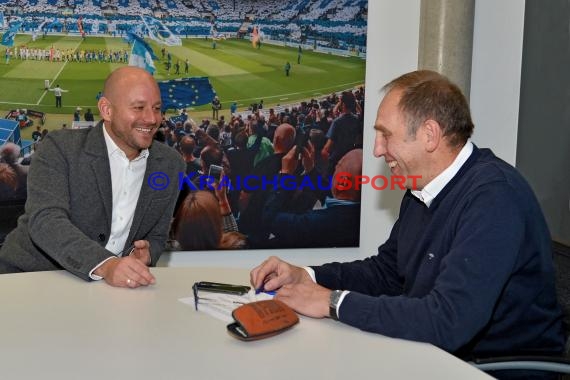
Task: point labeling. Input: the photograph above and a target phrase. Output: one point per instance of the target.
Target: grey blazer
(67, 221)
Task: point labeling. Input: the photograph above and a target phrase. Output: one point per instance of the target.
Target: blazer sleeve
(48, 204)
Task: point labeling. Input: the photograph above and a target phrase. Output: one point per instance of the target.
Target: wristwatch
(333, 303)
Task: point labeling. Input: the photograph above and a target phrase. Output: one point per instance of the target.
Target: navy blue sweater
(471, 274)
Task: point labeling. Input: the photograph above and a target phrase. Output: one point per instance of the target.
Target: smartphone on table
(217, 287)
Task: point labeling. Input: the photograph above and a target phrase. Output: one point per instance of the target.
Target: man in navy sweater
(467, 266)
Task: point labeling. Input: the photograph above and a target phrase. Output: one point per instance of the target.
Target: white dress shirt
(126, 179)
(432, 189)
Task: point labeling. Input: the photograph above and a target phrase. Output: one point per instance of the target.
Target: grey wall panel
(543, 145)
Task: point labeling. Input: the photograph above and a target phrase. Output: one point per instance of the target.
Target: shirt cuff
(341, 298)
(311, 273)
(94, 276)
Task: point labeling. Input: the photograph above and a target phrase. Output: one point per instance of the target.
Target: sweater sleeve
(374, 276)
(469, 280)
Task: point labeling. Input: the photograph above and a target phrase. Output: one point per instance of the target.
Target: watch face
(333, 303)
(335, 297)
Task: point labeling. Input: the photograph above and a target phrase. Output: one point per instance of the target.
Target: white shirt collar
(432, 189)
(113, 148)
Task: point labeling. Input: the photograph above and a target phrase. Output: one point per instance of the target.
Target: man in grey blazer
(95, 206)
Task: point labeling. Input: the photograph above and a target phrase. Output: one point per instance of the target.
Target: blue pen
(262, 290)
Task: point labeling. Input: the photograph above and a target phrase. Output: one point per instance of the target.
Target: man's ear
(432, 134)
(105, 109)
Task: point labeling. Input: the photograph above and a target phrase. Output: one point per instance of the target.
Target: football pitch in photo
(237, 71)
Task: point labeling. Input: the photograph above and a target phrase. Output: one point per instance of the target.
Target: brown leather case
(261, 319)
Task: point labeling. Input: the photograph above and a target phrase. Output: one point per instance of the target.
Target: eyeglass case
(261, 319)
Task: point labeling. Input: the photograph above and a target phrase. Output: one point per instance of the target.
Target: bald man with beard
(93, 208)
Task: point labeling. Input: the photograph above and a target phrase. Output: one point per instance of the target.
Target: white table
(56, 326)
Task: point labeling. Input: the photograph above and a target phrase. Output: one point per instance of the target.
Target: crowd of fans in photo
(255, 146)
(337, 22)
(282, 10)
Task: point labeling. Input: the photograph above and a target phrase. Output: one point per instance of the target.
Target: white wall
(393, 30)
(393, 27)
(496, 75)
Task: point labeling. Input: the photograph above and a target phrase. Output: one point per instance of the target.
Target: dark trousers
(58, 101)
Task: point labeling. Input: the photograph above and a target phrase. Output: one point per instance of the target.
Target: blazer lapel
(147, 194)
(96, 147)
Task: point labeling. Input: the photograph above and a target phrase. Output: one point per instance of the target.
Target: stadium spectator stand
(328, 23)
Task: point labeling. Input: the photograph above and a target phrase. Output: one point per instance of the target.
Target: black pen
(195, 290)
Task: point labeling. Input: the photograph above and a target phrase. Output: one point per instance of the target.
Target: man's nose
(151, 116)
(379, 147)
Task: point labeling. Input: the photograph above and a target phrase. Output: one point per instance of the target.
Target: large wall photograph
(264, 100)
